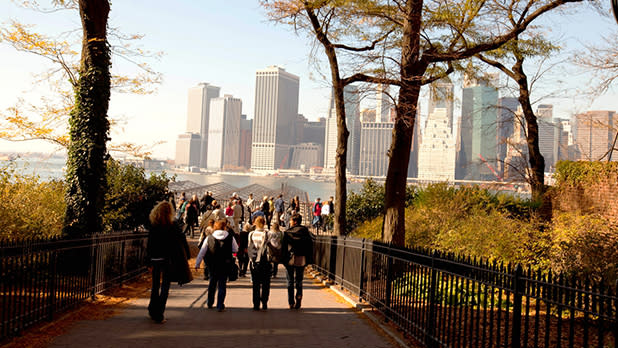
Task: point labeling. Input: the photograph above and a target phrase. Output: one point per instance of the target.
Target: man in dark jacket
(297, 252)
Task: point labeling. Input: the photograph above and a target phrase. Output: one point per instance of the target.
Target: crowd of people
(251, 238)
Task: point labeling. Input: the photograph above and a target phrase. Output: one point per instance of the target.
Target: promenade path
(324, 321)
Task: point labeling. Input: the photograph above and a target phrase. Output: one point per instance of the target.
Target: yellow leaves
(23, 39)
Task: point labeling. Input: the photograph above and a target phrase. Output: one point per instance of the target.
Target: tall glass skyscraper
(224, 133)
(276, 112)
(477, 148)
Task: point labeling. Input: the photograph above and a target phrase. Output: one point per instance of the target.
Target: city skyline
(228, 56)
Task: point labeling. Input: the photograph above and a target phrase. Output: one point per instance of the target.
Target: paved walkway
(324, 321)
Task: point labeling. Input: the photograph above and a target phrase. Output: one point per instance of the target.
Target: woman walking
(259, 264)
(168, 252)
(274, 239)
(297, 249)
(217, 253)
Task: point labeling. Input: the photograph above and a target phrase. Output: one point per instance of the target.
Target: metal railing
(41, 277)
(448, 301)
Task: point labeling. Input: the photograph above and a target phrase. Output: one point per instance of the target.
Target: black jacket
(297, 240)
(167, 242)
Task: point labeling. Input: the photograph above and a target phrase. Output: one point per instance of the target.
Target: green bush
(369, 203)
(585, 246)
(131, 195)
(29, 207)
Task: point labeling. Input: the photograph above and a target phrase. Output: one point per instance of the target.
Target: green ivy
(570, 173)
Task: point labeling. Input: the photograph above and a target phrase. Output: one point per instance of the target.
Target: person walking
(279, 209)
(237, 213)
(191, 217)
(274, 238)
(217, 253)
(295, 205)
(250, 204)
(265, 208)
(325, 213)
(297, 252)
(206, 228)
(167, 250)
(259, 264)
(316, 209)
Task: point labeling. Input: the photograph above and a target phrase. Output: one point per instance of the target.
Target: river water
(48, 168)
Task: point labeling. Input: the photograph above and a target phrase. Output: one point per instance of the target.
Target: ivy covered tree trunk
(89, 126)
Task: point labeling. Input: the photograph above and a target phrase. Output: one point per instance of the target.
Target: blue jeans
(217, 283)
(160, 289)
(295, 280)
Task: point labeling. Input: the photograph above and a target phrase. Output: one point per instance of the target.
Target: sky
(222, 43)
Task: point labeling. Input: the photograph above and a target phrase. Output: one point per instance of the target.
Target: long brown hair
(162, 214)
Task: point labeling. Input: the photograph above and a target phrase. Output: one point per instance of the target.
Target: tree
(89, 125)
(47, 119)
(601, 61)
(329, 22)
(516, 51)
(435, 36)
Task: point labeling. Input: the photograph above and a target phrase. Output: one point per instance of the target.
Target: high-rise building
(594, 135)
(436, 156)
(306, 155)
(442, 97)
(547, 130)
(224, 133)
(368, 115)
(188, 150)
(507, 107)
(198, 108)
(352, 114)
(244, 158)
(414, 150)
(375, 142)
(276, 112)
(477, 147)
(516, 161)
(383, 104)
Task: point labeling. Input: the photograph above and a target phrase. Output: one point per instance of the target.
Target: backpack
(216, 249)
(273, 254)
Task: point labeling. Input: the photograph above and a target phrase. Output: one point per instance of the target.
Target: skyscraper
(188, 150)
(246, 126)
(383, 104)
(594, 134)
(436, 156)
(352, 114)
(224, 133)
(276, 112)
(375, 141)
(477, 148)
(198, 108)
(507, 107)
(442, 97)
(547, 128)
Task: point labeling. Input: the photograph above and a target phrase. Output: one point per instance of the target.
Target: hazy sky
(223, 43)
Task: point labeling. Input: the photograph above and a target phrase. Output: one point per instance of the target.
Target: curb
(365, 309)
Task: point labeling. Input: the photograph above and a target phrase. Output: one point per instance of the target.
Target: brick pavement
(324, 321)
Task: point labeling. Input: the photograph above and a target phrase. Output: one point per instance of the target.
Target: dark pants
(160, 289)
(260, 276)
(275, 269)
(218, 283)
(295, 280)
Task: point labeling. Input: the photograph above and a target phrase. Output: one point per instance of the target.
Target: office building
(594, 135)
(352, 114)
(244, 158)
(384, 104)
(188, 150)
(442, 97)
(507, 107)
(198, 108)
(306, 156)
(436, 156)
(478, 148)
(375, 142)
(516, 161)
(547, 130)
(224, 133)
(276, 112)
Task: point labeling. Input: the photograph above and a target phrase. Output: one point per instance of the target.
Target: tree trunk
(341, 193)
(535, 158)
(89, 126)
(412, 70)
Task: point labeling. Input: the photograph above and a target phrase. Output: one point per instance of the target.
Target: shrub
(585, 246)
(29, 207)
(131, 195)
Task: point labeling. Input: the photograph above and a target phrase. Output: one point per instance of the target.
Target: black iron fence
(448, 301)
(39, 278)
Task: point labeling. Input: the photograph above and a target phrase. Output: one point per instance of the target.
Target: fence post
(361, 283)
(52, 286)
(93, 267)
(518, 294)
(389, 281)
(431, 321)
(332, 261)
(343, 263)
